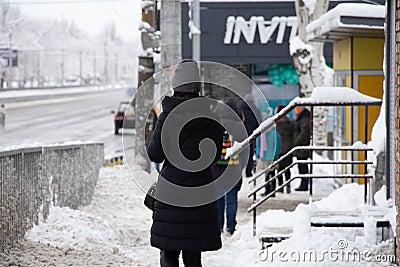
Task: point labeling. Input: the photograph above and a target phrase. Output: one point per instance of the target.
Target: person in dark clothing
(228, 204)
(285, 127)
(186, 229)
(252, 119)
(302, 138)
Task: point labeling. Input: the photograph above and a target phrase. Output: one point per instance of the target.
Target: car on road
(124, 116)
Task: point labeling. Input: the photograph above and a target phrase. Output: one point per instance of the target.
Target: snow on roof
(340, 95)
(332, 19)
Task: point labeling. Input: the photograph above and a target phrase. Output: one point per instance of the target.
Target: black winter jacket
(251, 120)
(302, 133)
(185, 228)
(285, 127)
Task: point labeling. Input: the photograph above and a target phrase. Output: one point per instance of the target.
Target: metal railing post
(311, 144)
(365, 154)
(254, 211)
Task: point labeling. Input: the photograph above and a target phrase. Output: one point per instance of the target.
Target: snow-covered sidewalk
(114, 230)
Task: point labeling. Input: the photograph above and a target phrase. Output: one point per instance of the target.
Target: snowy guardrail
(36, 177)
(22, 95)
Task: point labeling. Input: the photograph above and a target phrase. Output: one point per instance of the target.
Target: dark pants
(250, 162)
(171, 258)
(229, 202)
(282, 165)
(271, 185)
(303, 169)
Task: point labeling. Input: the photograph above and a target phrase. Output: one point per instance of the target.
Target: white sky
(89, 15)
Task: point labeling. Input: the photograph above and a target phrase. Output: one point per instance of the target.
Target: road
(56, 121)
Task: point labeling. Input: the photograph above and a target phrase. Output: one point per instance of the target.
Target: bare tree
(308, 58)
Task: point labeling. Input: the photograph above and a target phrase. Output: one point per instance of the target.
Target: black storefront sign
(245, 32)
(5, 57)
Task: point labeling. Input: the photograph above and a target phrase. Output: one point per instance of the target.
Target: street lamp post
(10, 74)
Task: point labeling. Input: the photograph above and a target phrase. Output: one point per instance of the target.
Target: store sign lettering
(235, 27)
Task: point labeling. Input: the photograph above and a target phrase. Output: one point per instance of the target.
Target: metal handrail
(304, 148)
(268, 123)
(265, 125)
(254, 191)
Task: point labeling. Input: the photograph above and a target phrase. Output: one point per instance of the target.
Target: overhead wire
(62, 2)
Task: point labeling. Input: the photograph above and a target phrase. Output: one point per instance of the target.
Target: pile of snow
(74, 229)
(116, 221)
(347, 198)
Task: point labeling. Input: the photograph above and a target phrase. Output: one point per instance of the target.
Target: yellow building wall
(372, 86)
(342, 55)
(354, 55)
(368, 53)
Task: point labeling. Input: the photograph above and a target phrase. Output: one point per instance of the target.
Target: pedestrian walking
(302, 138)
(285, 127)
(175, 229)
(252, 119)
(228, 203)
(267, 150)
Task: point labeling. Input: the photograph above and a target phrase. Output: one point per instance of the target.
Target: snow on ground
(247, 250)
(116, 220)
(114, 230)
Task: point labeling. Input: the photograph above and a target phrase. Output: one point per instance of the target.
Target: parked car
(124, 116)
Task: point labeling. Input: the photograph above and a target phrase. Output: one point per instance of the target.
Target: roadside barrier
(35, 178)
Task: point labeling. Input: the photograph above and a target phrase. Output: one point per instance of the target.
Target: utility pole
(94, 65)
(171, 33)
(38, 69)
(196, 46)
(105, 61)
(62, 67)
(80, 67)
(116, 67)
(10, 74)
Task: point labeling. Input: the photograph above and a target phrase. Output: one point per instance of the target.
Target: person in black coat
(252, 119)
(302, 138)
(285, 127)
(228, 203)
(186, 229)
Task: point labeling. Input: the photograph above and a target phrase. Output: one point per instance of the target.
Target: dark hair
(185, 95)
(279, 108)
(235, 107)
